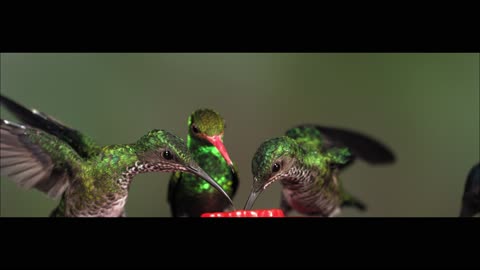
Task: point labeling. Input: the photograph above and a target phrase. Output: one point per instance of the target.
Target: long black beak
(201, 173)
(252, 198)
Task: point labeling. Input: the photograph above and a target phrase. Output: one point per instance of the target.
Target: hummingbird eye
(276, 167)
(167, 155)
(195, 129)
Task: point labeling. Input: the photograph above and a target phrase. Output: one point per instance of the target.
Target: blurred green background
(424, 105)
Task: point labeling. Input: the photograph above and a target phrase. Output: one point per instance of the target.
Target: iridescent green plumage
(309, 154)
(105, 178)
(207, 121)
(92, 180)
(307, 162)
(210, 158)
(186, 196)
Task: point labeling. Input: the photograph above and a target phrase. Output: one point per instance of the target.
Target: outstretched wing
(35, 159)
(360, 145)
(82, 144)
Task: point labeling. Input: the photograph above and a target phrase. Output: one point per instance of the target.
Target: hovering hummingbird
(92, 181)
(186, 195)
(307, 162)
(471, 194)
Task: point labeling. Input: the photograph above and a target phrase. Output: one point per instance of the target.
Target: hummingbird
(187, 196)
(90, 180)
(471, 194)
(307, 161)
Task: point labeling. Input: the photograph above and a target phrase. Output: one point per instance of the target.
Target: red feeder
(247, 213)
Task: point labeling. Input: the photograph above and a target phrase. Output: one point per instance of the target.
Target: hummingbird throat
(143, 167)
(297, 176)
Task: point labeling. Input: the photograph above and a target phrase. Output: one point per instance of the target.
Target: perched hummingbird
(307, 162)
(471, 195)
(92, 181)
(186, 195)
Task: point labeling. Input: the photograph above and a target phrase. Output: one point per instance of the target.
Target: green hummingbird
(92, 181)
(186, 195)
(471, 193)
(307, 161)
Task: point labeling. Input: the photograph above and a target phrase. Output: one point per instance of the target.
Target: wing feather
(360, 145)
(35, 159)
(83, 145)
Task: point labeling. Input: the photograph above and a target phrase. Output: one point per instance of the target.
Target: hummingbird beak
(217, 141)
(251, 200)
(256, 190)
(195, 169)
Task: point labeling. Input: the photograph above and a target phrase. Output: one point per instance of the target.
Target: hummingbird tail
(350, 201)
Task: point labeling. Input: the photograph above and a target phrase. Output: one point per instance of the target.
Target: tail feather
(350, 201)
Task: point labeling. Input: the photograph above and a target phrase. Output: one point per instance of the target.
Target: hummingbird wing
(360, 145)
(82, 144)
(350, 201)
(35, 159)
(471, 194)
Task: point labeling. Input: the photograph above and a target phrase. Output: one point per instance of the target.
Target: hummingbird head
(272, 161)
(207, 125)
(160, 150)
